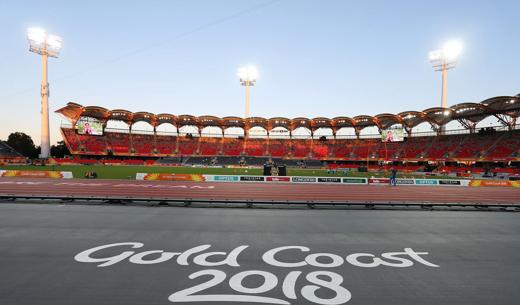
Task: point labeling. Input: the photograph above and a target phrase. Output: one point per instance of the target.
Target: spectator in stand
(393, 176)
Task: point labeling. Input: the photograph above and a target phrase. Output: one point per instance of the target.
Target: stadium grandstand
(10, 156)
(452, 150)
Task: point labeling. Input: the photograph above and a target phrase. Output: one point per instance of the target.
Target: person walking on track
(393, 176)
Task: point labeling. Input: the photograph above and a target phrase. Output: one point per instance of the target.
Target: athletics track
(262, 192)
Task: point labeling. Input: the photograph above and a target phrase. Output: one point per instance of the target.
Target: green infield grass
(128, 172)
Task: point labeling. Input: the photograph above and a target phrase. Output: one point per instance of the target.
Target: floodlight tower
(248, 76)
(443, 60)
(47, 45)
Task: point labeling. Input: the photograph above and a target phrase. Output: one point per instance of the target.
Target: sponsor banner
(231, 178)
(378, 181)
(465, 182)
(66, 175)
(36, 174)
(329, 180)
(170, 177)
(499, 183)
(218, 178)
(405, 181)
(355, 180)
(252, 178)
(426, 181)
(303, 179)
(277, 179)
(449, 182)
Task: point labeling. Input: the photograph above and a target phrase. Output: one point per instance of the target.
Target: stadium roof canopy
(322, 123)
(505, 108)
(256, 122)
(301, 122)
(232, 121)
(386, 120)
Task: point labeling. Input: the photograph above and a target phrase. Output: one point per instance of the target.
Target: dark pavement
(477, 254)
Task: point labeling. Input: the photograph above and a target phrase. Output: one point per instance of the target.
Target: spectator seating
(278, 147)
(8, 151)
(441, 147)
(301, 148)
(142, 144)
(187, 146)
(498, 146)
(473, 146)
(210, 146)
(508, 146)
(323, 149)
(93, 144)
(118, 143)
(72, 139)
(232, 146)
(414, 147)
(10, 156)
(343, 148)
(165, 145)
(256, 147)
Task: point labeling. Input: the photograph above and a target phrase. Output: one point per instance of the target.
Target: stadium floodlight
(44, 44)
(36, 36)
(248, 76)
(443, 60)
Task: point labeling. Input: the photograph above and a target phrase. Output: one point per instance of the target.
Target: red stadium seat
(256, 147)
(495, 146)
(210, 146)
(301, 148)
(232, 146)
(187, 146)
(279, 147)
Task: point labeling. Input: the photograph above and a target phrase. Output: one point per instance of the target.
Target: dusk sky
(315, 58)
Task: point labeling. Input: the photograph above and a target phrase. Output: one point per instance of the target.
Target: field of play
(128, 172)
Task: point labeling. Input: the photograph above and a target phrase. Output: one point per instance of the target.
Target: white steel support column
(45, 138)
(444, 86)
(46, 45)
(248, 100)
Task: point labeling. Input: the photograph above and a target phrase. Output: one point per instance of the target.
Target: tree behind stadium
(59, 150)
(23, 144)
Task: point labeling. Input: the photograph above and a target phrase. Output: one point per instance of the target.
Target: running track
(277, 192)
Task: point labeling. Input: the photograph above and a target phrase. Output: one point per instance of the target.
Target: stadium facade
(471, 145)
